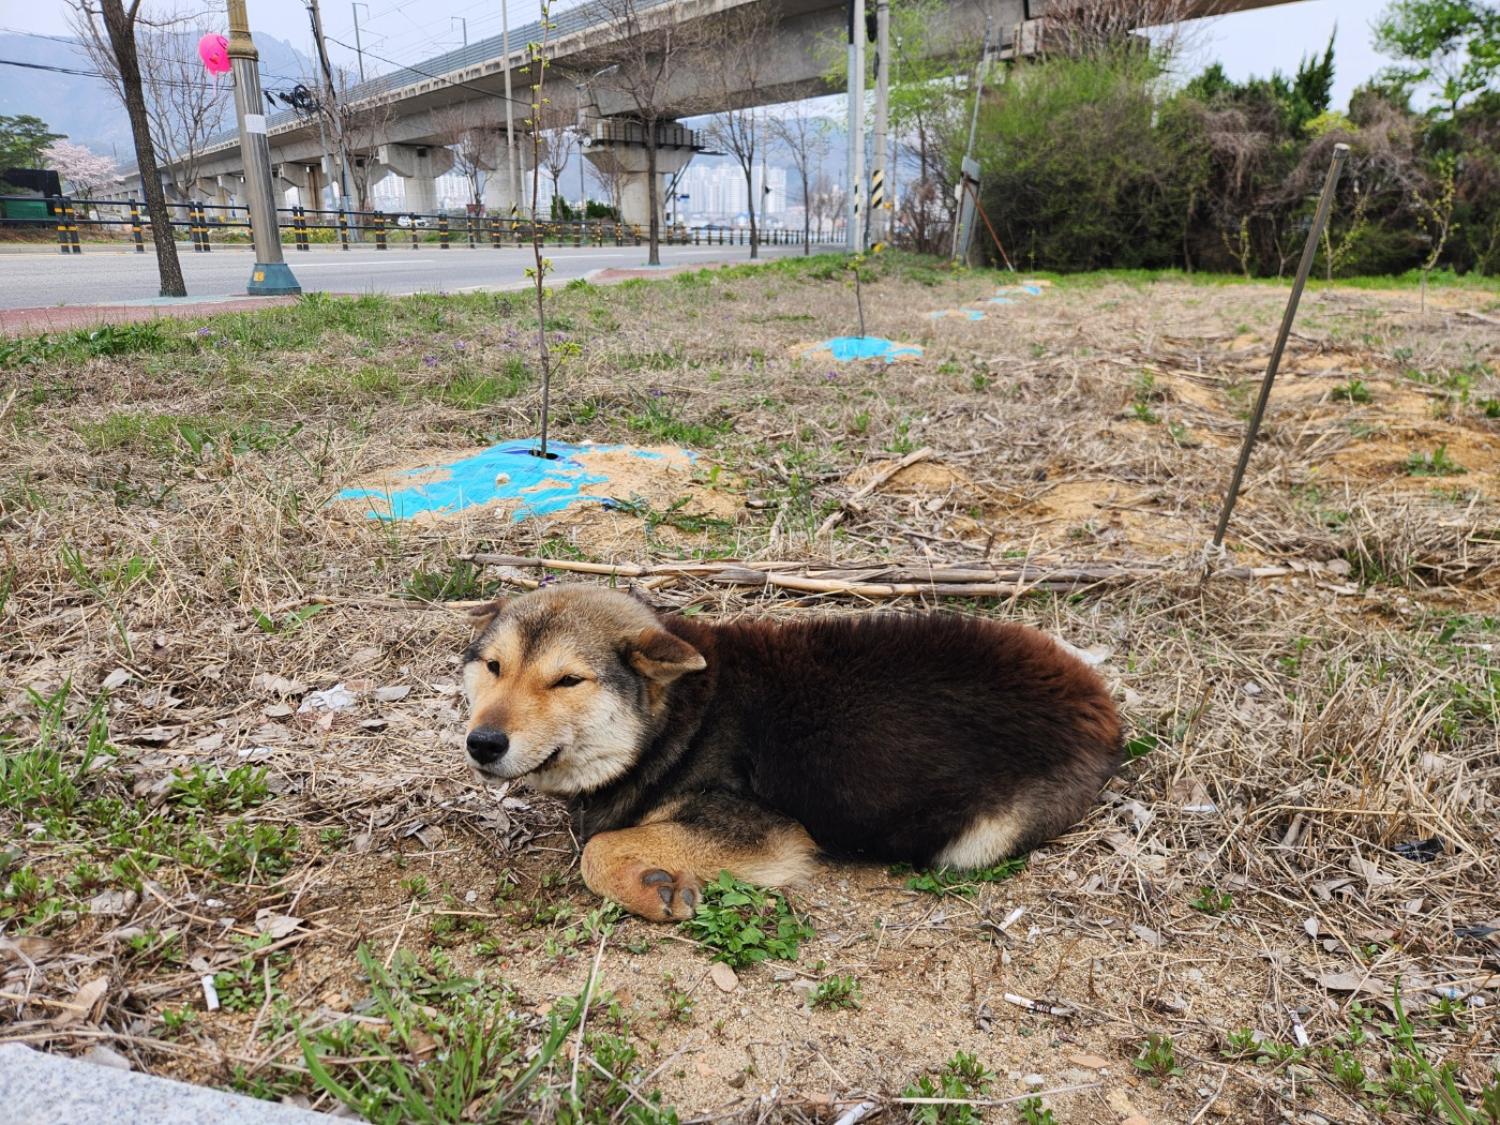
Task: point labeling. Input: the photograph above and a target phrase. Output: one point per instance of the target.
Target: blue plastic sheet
(845, 348)
(510, 472)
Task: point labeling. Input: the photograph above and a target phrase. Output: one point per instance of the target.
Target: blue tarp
(509, 471)
(845, 348)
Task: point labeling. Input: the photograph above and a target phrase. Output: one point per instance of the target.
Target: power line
(429, 74)
(77, 43)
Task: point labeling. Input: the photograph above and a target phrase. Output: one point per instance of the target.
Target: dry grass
(173, 581)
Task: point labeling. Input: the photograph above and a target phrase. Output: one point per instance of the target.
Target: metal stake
(1309, 251)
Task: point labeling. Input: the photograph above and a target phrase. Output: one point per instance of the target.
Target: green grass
(837, 992)
(963, 1078)
(1438, 463)
(743, 925)
(959, 882)
(67, 784)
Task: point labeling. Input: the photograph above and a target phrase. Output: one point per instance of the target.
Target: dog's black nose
(486, 745)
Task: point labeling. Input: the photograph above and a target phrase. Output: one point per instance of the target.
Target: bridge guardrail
(301, 227)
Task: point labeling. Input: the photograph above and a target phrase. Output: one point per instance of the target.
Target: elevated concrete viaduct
(407, 136)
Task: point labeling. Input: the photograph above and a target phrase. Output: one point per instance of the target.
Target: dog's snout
(487, 745)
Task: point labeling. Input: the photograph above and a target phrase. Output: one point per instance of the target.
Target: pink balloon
(214, 51)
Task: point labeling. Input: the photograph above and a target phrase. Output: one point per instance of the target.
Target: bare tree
(472, 142)
(644, 45)
(1106, 25)
(113, 24)
(555, 148)
(732, 58)
(610, 176)
(805, 138)
(354, 129)
(185, 107)
(829, 202)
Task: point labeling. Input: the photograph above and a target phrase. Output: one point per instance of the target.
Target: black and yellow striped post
(70, 220)
(495, 231)
(515, 224)
(135, 227)
(443, 231)
(877, 204)
(62, 224)
(472, 244)
(203, 226)
(192, 225)
(380, 230)
(343, 229)
(414, 241)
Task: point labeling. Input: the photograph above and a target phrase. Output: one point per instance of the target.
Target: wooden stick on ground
(871, 485)
(877, 581)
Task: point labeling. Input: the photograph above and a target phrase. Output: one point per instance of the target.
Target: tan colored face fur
(563, 686)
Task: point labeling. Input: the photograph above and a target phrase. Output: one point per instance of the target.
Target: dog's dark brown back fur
(884, 735)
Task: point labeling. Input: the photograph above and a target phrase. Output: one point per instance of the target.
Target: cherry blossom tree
(85, 171)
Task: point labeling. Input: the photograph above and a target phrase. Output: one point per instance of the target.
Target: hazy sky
(409, 30)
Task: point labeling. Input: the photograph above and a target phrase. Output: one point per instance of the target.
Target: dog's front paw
(668, 896)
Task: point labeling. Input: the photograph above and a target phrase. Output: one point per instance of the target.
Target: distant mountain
(85, 108)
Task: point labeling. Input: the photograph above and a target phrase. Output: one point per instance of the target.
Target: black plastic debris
(1420, 851)
(1478, 932)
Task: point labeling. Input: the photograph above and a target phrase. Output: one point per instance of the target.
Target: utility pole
(272, 277)
(879, 189)
(855, 233)
(332, 104)
(359, 49)
(460, 19)
(968, 174)
(512, 173)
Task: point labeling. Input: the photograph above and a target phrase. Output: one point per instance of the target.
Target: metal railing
(302, 227)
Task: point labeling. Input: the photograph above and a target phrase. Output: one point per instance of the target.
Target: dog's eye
(494, 667)
(568, 681)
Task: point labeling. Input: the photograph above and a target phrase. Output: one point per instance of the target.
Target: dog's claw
(678, 893)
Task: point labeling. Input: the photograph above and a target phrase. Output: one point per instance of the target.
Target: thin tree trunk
(653, 195)
(121, 28)
(806, 219)
(749, 167)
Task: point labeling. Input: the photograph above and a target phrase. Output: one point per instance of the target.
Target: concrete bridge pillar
(300, 178)
(618, 148)
(419, 166)
(497, 196)
(232, 188)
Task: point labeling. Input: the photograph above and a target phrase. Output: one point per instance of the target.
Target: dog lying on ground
(686, 748)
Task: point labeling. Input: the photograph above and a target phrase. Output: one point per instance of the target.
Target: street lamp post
(272, 277)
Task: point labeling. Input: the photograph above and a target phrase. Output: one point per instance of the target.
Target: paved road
(35, 279)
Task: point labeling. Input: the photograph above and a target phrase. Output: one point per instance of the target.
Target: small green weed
(462, 581)
(1354, 390)
(959, 882)
(1211, 900)
(1438, 463)
(837, 992)
(743, 925)
(1158, 1058)
(963, 1078)
(215, 790)
(1031, 1111)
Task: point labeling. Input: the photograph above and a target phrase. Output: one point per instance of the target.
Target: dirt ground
(1308, 822)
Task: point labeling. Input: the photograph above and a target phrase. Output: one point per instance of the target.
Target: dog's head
(563, 685)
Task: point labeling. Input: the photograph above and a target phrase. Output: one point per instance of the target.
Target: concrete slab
(41, 1089)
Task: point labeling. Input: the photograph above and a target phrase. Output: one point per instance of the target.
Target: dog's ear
(663, 657)
(480, 616)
